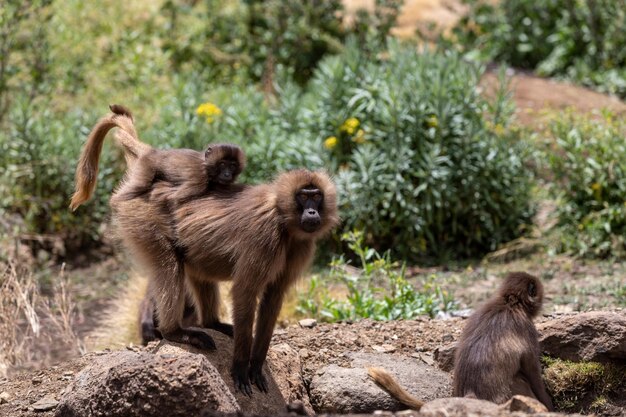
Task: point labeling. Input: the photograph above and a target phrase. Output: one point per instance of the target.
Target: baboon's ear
(208, 151)
(532, 289)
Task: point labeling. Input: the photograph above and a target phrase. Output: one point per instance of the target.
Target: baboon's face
(227, 171)
(309, 202)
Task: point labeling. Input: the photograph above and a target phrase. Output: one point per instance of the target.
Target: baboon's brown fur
(262, 237)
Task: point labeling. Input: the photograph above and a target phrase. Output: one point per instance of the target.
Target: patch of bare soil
(417, 14)
(535, 98)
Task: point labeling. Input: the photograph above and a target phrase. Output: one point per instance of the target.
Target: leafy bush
(432, 168)
(588, 159)
(257, 39)
(226, 38)
(378, 290)
(581, 40)
(38, 155)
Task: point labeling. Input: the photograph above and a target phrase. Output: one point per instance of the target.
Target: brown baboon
(262, 237)
(193, 173)
(498, 353)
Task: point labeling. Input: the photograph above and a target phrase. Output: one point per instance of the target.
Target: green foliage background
(582, 40)
(425, 165)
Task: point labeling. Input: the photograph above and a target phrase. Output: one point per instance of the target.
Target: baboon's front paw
(201, 340)
(195, 338)
(225, 328)
(239, 373)
(149, 333)
(258, 379)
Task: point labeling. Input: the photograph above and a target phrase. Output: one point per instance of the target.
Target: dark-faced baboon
(498, 353)
(262, 237)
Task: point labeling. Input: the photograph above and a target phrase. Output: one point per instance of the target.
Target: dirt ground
(320, 346)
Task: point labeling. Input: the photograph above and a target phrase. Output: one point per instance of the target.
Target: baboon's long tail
(389, 384)
(87, 169)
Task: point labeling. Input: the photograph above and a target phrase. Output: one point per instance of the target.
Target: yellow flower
(498, 129)
(209, 110)
(432, 121)
(359, 137)
(596, 186)
(350, 125)
(330, 142)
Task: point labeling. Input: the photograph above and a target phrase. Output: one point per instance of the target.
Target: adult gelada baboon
(261, 237)
(498, 353)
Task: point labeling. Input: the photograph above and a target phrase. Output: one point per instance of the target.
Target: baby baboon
(498, 353)
(262, 237)
(192, 173)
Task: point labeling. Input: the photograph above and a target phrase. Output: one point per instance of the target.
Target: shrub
(431, 168)
(581, 40)
(38, 156)
(588, 158)
(378, 289)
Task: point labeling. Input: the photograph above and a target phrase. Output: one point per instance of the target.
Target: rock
(4, 397)
(444, 356)
(524, 404)
(455, 406)
(279, 376)
(308, 323)
(132, 384)
(45, 404)
(350, 390)
(284, 364)
(36, 380)
(386, 348)
(594, 336)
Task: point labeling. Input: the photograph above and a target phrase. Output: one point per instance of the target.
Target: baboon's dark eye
(532, 289)
(303, 197)
(317, 198)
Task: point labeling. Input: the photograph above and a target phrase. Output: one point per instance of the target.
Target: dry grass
(34, 328)
(120, 322)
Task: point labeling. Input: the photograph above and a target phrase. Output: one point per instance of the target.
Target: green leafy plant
(38, 156)
(587, 158)
(378, 289)
(436, 170)
(582, 40)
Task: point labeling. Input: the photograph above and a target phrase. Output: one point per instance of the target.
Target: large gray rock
(594, 336)
(143, 384)
(457, 406)
(179, 380)
(349, 390)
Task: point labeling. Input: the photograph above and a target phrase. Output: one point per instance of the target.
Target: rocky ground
(321, 368)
